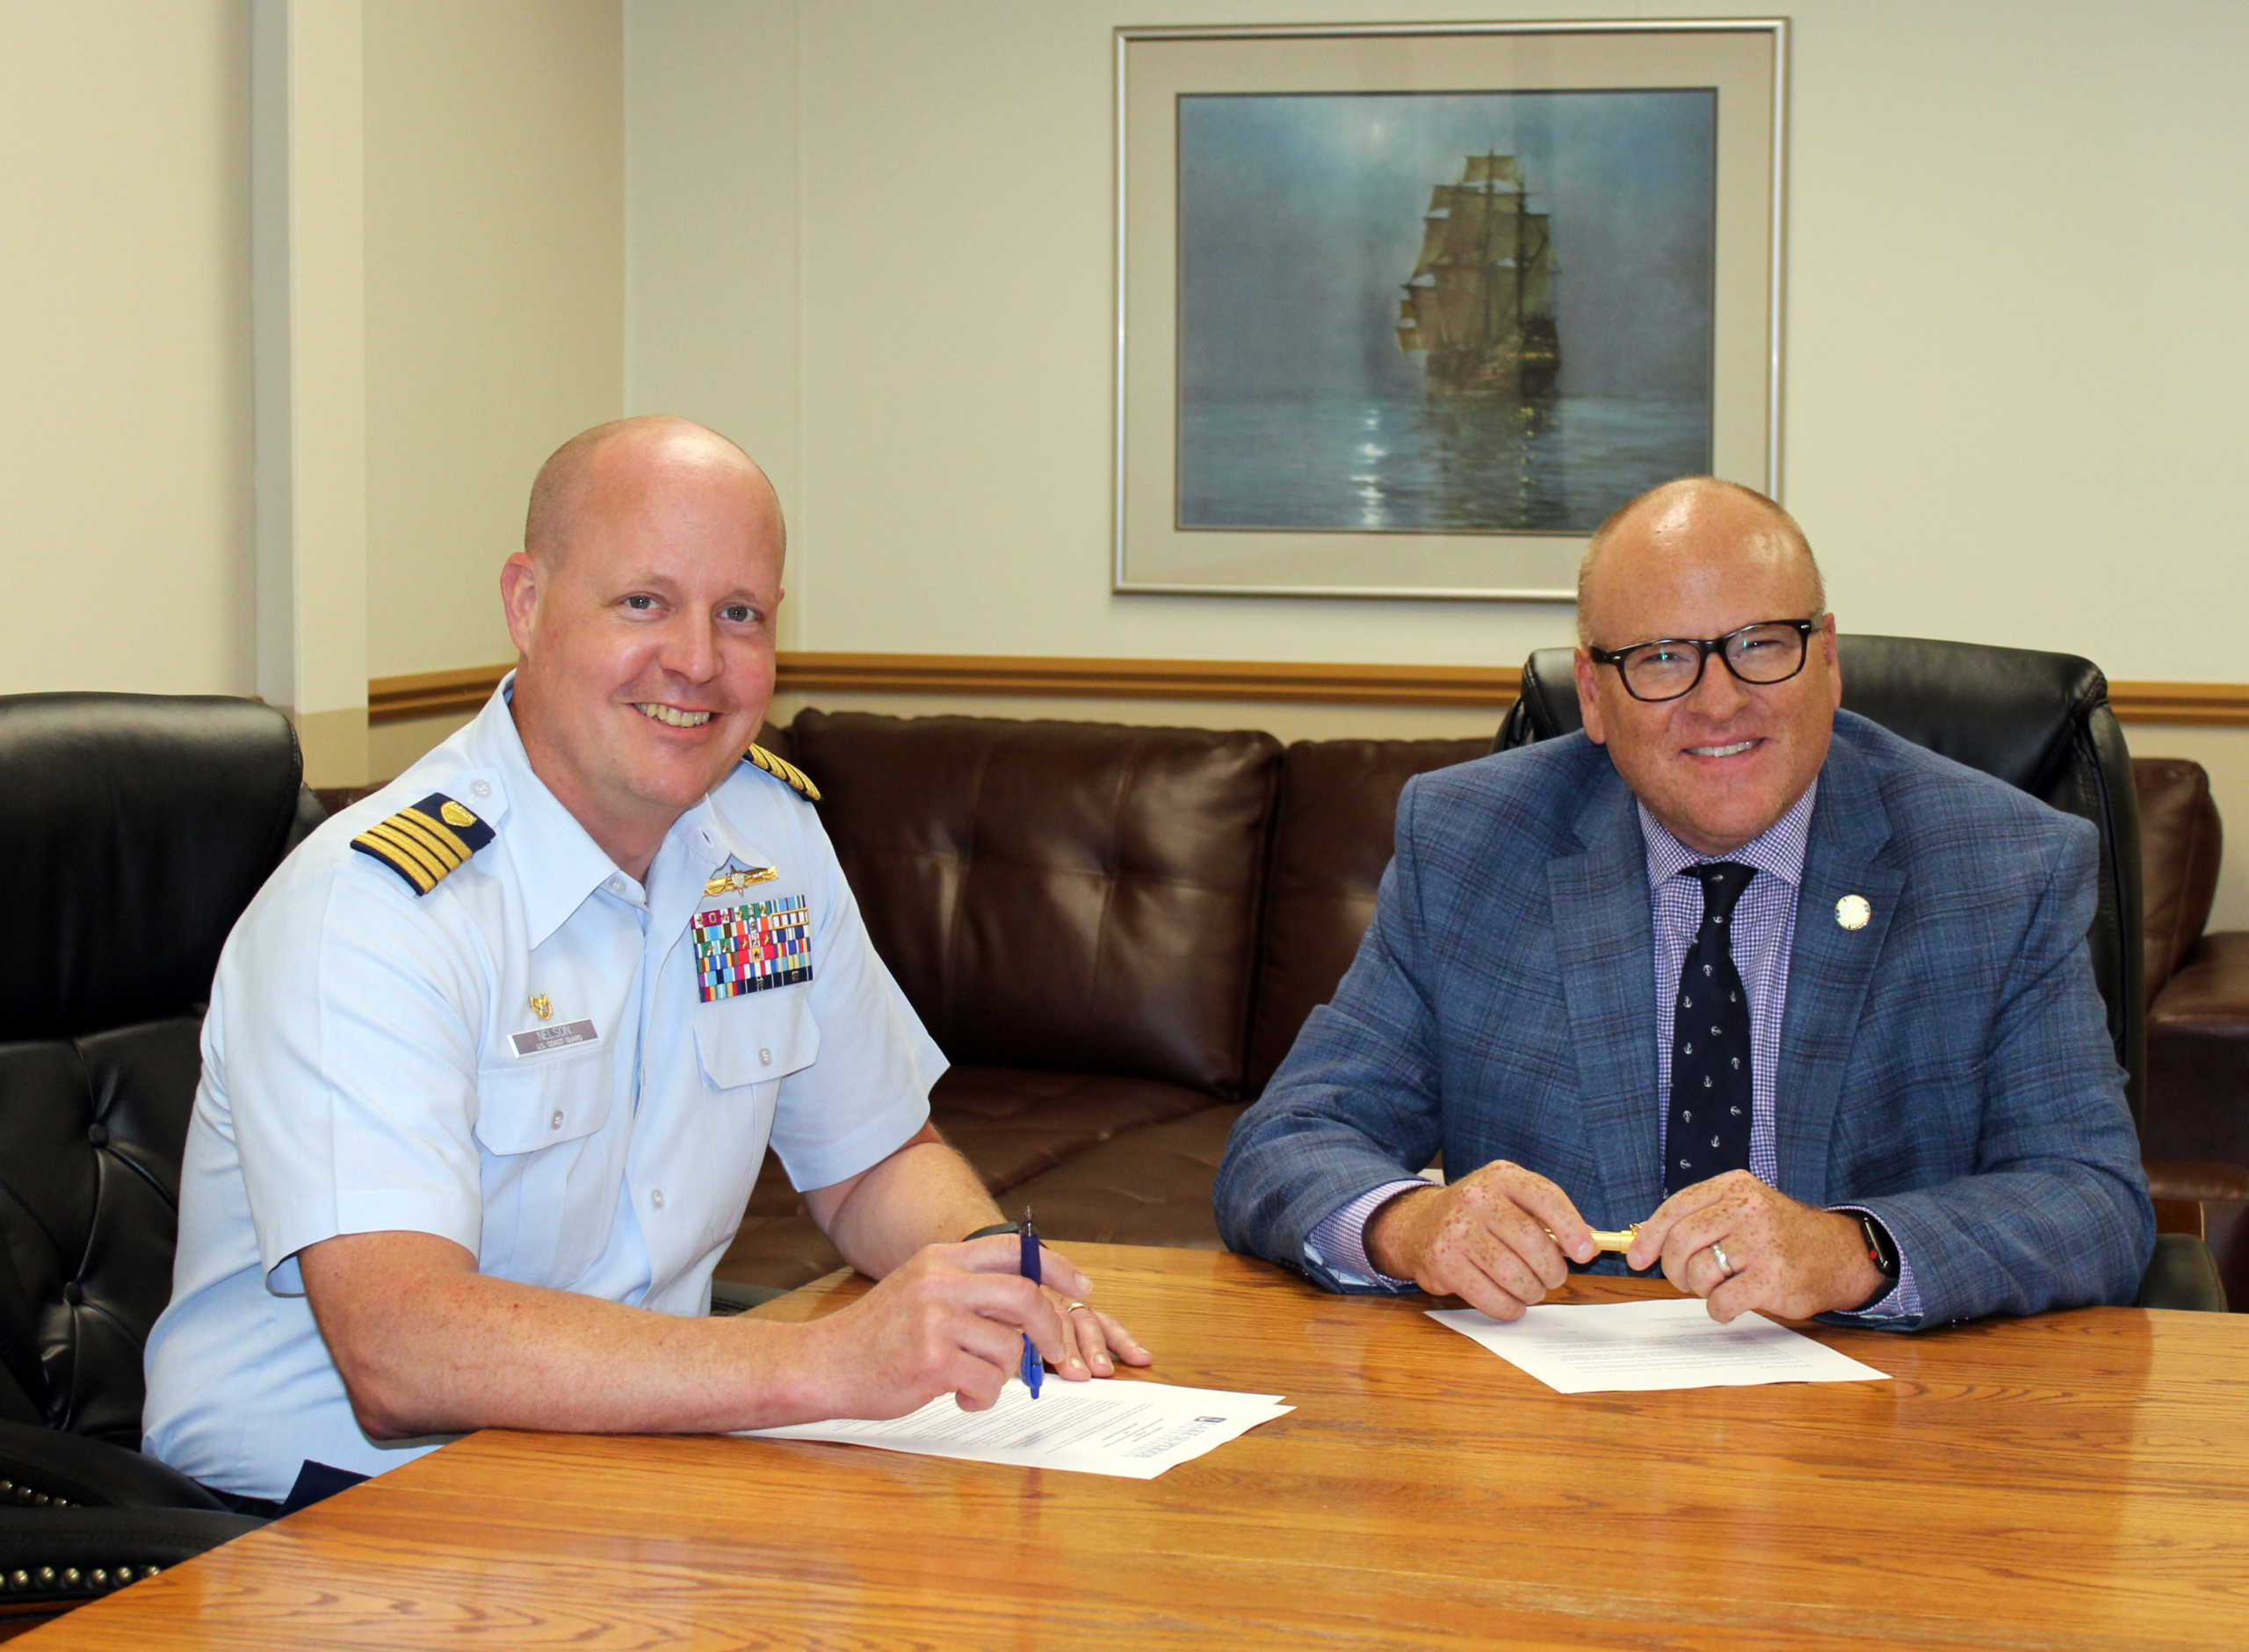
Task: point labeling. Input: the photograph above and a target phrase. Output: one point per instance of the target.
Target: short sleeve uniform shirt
(570, 1074)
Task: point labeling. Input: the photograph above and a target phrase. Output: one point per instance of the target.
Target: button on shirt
(1763, 938)
(360, 1075)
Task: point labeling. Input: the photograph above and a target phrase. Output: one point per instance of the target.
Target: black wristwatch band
(1881, 1249)
(997, 1227)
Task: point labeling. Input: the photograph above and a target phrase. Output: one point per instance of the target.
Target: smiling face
(644, 617)
(1722, 764)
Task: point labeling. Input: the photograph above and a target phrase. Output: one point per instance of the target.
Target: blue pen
(1033, 1367)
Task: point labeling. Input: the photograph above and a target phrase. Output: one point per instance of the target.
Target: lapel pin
(1852, 911)
(541, 1006)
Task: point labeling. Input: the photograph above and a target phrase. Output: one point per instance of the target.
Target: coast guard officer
(492, 1062)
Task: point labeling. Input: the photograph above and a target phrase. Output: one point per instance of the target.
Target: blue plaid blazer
(1948, 1066)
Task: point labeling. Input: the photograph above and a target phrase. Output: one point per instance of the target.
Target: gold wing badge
(785, 771)
(740, 877)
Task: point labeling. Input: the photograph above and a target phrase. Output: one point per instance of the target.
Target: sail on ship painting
(1441, 313)
(1481, 302)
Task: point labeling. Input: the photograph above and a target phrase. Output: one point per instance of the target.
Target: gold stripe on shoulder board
(785, 771)
(425, 842)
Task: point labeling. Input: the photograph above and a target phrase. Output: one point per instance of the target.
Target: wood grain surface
(2077, 1480)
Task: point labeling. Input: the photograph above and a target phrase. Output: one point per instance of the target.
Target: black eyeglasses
(1770, 651)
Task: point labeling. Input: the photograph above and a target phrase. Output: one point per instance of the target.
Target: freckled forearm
(924, 1194)
(426, 1344)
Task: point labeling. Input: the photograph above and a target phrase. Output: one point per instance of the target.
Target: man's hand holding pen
(952, 1320)
(1502, 1237)
(1498, 1239)
(1745, 1246)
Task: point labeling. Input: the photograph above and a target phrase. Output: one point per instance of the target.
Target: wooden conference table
(2077, 1480)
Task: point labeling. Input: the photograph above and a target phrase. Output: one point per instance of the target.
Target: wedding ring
(1724, 1267)
(1074, 1308)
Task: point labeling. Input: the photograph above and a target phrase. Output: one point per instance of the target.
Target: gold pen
(1619, 1242)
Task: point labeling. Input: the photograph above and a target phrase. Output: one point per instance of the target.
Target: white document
(1135, 1429)
(1669, 1343)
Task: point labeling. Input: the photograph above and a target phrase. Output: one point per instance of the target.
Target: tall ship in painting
(1480, 303)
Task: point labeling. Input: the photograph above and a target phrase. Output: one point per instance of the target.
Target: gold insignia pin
(740, 877)
(541, 1006)
(1852, 911)
(453, 815)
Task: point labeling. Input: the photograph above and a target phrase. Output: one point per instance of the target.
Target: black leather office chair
(2041, 723)
(136, 828)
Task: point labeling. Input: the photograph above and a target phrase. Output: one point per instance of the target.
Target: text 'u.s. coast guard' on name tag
(540, 1039)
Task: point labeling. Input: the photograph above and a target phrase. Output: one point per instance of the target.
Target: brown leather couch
(2196, 1134)
(1115, 933)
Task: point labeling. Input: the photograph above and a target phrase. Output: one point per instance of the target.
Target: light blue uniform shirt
(360, 1075)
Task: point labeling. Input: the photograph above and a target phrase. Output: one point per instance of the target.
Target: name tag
(540, 1039)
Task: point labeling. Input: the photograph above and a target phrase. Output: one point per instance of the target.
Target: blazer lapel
(1604, 931)
(1830, 966)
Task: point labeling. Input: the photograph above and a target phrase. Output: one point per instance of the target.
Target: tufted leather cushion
(2180, 841)
(2198, 1050)
(1010, 1123)
(2041, 722)
(1152, 1187)
(91, 1131)
(1064, 894)
(139, 827)
(1331, 841)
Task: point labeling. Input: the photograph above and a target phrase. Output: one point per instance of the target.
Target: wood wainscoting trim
(2216, 705)
(432, 692)
(452, 693)
(1486, 686)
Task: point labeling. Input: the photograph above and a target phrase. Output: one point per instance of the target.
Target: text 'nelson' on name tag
(540, 1039)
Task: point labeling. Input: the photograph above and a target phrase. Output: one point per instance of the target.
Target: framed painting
(1407, 311)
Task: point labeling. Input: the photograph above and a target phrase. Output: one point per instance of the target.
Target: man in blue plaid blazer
(1939, 1125)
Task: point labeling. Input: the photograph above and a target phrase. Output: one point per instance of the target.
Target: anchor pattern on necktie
(1707, 1129)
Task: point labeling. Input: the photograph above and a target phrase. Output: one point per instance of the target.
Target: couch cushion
(1010, 1125)
(2198, 1056)
(1150, 1186)
(2181, 841)
(1338, 799)
(1066, 895)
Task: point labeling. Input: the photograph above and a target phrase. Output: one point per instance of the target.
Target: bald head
(618, 465)
(1677, 523)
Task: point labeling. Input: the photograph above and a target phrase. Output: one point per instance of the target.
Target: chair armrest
(42, 1464)
(58, 1557)
(2198, 1056)
(2183, 1275)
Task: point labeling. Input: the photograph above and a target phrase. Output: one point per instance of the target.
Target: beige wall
(2017, 366)
(496, 295)
(125, 424)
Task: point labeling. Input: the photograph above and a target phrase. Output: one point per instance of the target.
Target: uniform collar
(559, 862)
(1777, 850)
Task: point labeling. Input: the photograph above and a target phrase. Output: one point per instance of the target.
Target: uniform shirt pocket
(758, 1038)
(522, 1108)
(549, 1175)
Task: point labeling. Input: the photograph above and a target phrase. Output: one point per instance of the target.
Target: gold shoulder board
(785, 771)
(425, 843)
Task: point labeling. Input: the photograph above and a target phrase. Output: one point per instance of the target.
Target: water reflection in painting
(1441, 313)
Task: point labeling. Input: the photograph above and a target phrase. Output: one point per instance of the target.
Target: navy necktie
(1708, 1131)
